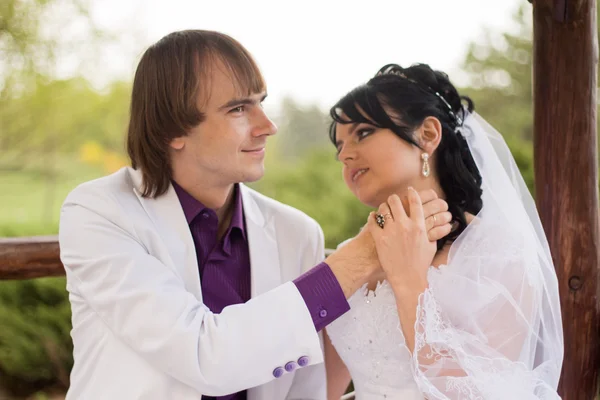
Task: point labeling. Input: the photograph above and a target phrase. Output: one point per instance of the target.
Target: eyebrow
(242, 101)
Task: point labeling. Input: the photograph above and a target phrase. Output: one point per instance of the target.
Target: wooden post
(566, 165)
(25, 258)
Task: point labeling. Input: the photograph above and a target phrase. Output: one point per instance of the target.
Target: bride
(476, 316)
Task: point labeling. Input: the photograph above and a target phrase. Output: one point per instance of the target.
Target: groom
(184, 283)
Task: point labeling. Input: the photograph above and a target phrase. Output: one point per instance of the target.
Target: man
(184, 283)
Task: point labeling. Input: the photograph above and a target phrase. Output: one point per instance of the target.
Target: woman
(478, 315)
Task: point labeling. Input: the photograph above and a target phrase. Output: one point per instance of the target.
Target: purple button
(289, 367)
(323, 313)
(303, 361)
(277, 372)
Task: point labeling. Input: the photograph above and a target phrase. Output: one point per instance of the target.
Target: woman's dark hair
(399, 99)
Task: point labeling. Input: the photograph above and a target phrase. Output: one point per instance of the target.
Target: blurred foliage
(499, 67)
(56, 133)
(35, 346)
(62, 118)
(301, 129)
(35, 33)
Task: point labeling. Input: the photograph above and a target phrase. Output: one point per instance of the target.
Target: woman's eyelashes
(363, 133)
(360, 133)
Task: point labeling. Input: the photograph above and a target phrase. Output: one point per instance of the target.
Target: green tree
(499, 69)
(38, 113)
(58, 116)
(28, 43)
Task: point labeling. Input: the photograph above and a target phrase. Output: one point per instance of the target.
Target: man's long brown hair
(172, 77)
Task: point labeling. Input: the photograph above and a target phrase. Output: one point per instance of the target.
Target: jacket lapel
(169, 220)
(264, 253)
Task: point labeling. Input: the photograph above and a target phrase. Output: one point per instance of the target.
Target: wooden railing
(30, 257)
(34, 257)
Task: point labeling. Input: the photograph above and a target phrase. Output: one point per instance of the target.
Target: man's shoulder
(110, 188)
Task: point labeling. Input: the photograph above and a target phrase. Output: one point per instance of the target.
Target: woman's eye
(363, 133)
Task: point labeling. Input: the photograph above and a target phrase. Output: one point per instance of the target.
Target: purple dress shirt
(224, 267)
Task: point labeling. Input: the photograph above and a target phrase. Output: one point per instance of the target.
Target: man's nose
(264, 125)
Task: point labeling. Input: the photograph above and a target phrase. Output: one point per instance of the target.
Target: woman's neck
(427, 183)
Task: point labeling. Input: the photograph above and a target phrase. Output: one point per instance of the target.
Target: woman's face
(377, 163)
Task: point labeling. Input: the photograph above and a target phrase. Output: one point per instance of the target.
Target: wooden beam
(30, 257)
(566, 177)
(34, 257)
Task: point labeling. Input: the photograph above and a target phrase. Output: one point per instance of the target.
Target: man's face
(229, 145)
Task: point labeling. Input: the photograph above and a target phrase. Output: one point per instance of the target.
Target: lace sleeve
(480, 331)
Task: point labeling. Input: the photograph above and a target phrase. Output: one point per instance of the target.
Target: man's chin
(253, 175)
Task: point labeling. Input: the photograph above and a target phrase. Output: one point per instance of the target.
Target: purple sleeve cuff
(322, 294)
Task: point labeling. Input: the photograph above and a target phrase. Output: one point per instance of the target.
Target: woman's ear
(430, 135)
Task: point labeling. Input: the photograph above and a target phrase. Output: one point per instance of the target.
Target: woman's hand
(403, 247)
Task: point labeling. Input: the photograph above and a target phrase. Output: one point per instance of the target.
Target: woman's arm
(338, 376)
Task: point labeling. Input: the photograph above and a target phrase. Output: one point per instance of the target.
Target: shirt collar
(192, 207)
(237, 218)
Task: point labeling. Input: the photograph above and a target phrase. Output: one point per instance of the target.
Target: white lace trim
(441, 344)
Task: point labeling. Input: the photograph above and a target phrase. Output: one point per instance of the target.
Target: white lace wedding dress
(369, 341)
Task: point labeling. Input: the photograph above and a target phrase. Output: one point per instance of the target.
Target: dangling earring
(425, 171)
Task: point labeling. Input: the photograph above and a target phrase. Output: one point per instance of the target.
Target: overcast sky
(311, 50)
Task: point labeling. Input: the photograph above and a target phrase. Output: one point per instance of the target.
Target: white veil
(489, 326)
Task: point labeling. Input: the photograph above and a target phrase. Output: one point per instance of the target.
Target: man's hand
(355, 262)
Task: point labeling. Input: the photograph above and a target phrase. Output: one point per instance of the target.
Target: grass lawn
(30, 201)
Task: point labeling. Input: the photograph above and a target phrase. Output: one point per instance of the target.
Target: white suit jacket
(140, 328)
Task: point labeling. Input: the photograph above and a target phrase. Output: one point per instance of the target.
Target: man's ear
(177, 143)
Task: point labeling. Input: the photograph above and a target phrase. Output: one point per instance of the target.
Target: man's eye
(237, 109)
